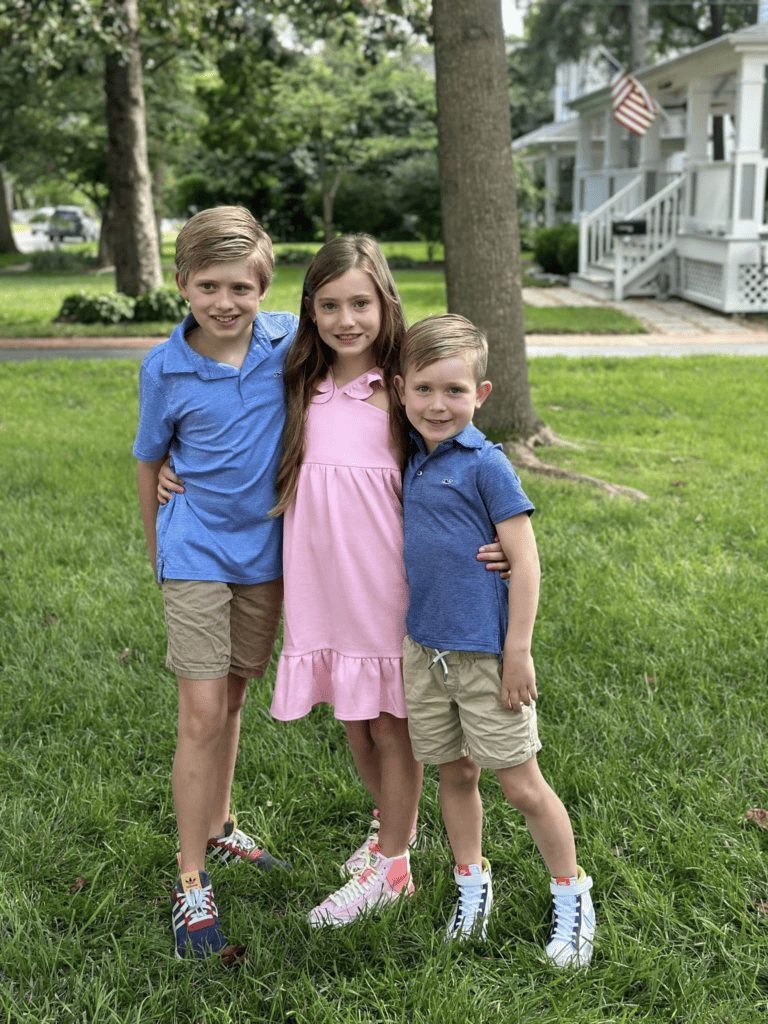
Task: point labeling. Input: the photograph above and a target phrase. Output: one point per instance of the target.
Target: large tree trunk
(134, 236)
(7, 241)
(479, 209)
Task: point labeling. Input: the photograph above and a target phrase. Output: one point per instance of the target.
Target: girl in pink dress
(345, 591)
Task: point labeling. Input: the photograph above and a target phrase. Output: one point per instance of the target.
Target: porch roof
(718, 57)
(557, 133)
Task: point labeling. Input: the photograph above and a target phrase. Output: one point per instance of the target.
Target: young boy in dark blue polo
(213, 396)
(470, 683)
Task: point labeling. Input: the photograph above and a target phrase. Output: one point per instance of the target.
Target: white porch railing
(595, 228)
(636, 254)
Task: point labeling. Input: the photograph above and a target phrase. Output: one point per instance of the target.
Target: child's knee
(525, 789)
(237, 688)
(388, 731)
(461, 774)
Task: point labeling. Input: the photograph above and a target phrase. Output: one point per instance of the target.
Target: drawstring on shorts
(440, 656)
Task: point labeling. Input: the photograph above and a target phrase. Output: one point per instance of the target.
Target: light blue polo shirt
(451, 501)
(224, 428)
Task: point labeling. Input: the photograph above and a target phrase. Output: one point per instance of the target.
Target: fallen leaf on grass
(761, 908)
(233, 956)
(79, 884)
(758, 815)
(677, 483)
(50, 620)
(125, 654)
(617, 851)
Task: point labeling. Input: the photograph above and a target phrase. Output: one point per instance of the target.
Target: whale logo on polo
(447, 480)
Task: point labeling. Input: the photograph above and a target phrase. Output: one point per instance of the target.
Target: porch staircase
(616, 266)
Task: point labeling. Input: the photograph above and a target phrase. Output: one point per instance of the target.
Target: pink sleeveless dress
(345, 589)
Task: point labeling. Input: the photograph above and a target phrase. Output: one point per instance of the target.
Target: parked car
(38, 222)
(72, 222)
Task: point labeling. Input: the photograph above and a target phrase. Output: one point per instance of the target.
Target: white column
(550, 187)
(613, 157)
(749, 169)
(650, 155)
(583, 162)
(697, 121)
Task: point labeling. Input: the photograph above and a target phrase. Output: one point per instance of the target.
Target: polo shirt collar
(470, 437)
(179, 357)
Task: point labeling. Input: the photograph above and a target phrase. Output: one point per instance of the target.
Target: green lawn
(30, 301)
(651, 656)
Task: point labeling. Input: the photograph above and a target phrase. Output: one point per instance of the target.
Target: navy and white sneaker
(195, 917)
(473, 907)
(235, 847)
(571, 940)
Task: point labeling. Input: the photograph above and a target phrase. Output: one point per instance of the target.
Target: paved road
(676, 328)
(538, 345)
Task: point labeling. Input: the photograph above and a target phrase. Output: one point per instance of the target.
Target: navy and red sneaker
(195, 917)
(235, 847)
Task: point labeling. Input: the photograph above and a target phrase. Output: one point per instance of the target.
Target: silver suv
(72, 222)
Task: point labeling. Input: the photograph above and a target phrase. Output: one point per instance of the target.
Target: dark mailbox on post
(629, 227)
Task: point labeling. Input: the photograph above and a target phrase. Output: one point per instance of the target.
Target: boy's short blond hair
(221, 234)
(441, 337)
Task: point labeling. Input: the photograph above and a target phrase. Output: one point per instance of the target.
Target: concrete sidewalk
(675, 328)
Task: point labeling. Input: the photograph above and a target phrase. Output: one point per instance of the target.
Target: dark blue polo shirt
(223, 427)
(451, 501)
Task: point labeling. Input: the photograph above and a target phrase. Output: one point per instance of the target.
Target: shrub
(557, 249)
(160, 304)
(568, 249)
(293, 257)
(111, 308)
(56, 260)
(401, 262)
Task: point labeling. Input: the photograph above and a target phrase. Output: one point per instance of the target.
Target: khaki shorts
(218, 628)
(463, 714)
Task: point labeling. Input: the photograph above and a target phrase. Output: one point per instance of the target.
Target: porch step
(596, 281)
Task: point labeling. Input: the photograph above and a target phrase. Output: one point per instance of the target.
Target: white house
(705, 220)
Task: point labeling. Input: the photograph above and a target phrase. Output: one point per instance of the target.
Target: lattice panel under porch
(702, 277)
(752, 285)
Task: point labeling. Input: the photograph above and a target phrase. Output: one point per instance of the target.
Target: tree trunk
(7, 241)
(106, 256)
(133, 232)
(479, 209)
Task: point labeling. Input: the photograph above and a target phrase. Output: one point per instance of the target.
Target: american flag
(633, 108)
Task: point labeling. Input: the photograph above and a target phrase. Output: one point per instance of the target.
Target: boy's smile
(224, 299)
(440, 399)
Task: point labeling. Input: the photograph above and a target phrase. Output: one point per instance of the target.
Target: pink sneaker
(355, 863)
(382, 880)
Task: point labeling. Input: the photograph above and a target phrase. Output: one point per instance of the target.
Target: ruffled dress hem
(359, 689)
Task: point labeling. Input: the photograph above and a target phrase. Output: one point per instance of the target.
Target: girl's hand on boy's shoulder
(495, 559)
(168, 483)
(518, 681)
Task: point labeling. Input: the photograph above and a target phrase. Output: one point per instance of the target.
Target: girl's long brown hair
(309, 358)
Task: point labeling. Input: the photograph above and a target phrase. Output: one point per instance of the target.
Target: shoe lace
(564, 923)
(197, 905)
(239, 840)
(468, 905)
(355, 887)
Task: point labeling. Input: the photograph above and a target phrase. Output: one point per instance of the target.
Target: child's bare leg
(546, 817)
(202, 719)
(366, 757)
(227, 756)
(401, 778)
(462, 809)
